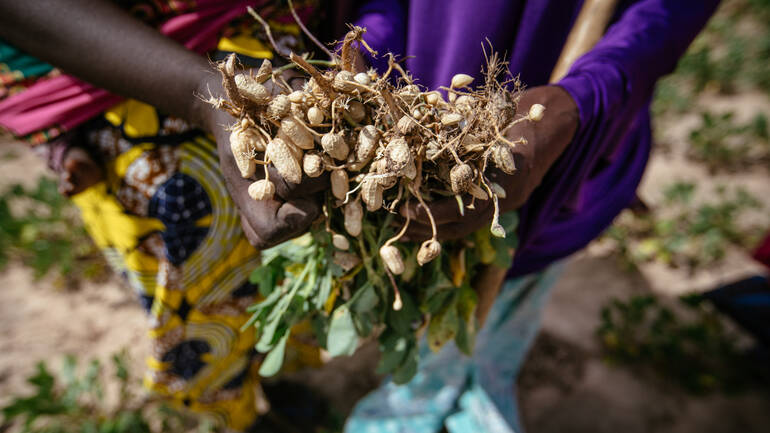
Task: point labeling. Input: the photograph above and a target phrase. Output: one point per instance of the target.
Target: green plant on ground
(689, 346)
(41, 229)
(731, 54)
(731, 50)
(670, 95)
(686, 235)
(706, 69)
(721, 143)
(75, 401)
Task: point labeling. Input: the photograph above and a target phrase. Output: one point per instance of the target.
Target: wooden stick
(588, 29)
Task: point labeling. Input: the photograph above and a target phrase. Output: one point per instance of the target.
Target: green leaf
(342, 338)
(365, 299)
(363, 309)
(274, 359)
(410, 265)
(402, 321)
(484, 248)
(43, 380)
(267, 276)
(91, 381)
(443, 327)
(320, 325)
(68, 371)
(408, 369)
(121, 366)
(267, 335)
(394, 349)
(466, 332)
(503, 248)
(324, 290)
(509, 221)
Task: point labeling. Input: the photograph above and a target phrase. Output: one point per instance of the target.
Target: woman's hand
(79, 171)
(265, 222)
(545, 141)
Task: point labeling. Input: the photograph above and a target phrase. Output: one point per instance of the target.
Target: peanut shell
(429, 250)
(250, 89)
(262, 189)
(340, 184)
(368, 139)
(297, 133)
(312, 164)
(461, 177)
(354, 213)
(334, 144)
(392, 259)
(371, 194)
(281, 157)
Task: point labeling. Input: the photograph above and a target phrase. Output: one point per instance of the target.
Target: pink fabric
(62, 100)
(68, 102)
(762, 254)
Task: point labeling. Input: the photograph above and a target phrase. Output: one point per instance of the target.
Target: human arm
(611, 86)
(100, 43)
(543, 142)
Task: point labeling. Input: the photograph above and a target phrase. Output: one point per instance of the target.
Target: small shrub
(41, 229)
(694, 350)
(75, 402)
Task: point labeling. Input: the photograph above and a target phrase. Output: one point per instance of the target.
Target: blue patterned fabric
(465, 394)
(179, 202)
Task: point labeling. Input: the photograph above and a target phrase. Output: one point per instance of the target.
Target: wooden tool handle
(589, 27)
(586, 32)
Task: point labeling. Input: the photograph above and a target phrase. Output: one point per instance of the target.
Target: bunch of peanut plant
(385, 142)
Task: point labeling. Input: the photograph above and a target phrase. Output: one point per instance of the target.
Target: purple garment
(597, 175)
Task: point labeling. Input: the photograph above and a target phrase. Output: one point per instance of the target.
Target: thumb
(297, 215)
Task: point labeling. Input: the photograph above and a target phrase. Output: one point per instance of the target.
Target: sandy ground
(565, 385)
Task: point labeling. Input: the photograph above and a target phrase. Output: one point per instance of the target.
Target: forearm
(619, 74)
(99, 43)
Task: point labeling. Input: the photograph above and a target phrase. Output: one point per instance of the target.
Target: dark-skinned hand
(545, 141)
(265, 222)
(79, 171)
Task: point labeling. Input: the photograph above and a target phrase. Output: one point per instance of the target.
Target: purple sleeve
(618, 76)
(597, 175)
(385, 23)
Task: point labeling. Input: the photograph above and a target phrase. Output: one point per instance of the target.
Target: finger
(274, 222)
(297, 82)
(66, 186)
(292, 219)
(250, 234)
(480, 218)
(308, 185)
(452, 231)
(293, 78)
(445, 210)
(273, 87)
(297, 215)
(449, 231)
(259, 214)
(417, 232)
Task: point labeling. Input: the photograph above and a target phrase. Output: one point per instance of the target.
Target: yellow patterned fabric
(196, 289)
(167, 225)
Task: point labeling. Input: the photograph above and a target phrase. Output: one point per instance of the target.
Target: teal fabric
(465, 394)
(11, 59)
